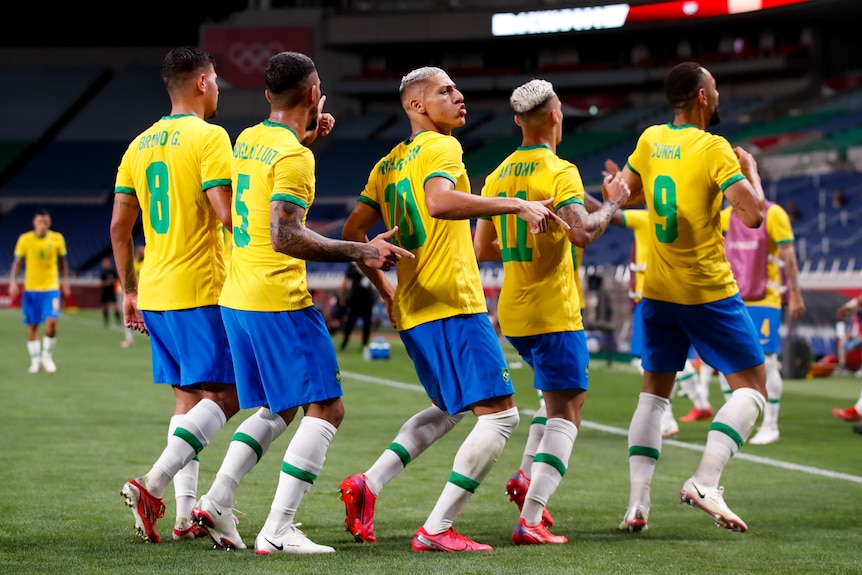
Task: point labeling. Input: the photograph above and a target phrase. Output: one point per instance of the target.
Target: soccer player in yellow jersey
(282, 352)
(690, 297)
(539, 309)
(43, 254)
(439, 308)
(176, 176)
(758, 259)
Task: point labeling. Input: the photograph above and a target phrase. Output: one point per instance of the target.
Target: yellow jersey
(269, 164)
(41, 259)
(539, 294)
(638, 222)
(169, 167)
(684, 171)
(443, 279)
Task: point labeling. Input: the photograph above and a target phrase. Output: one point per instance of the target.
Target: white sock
(414, 437)
(186, 479)
(34, 348)
(644, 446)
(249, 443)
(48, 344)
(302, 463)
(687, 379)
(774, 389)
(725, 387)
(667, 418)
(858, 405)
(729, 430)
(704, 378)
(473, 461)
(192, 434)
(549, 466)
(537, 431)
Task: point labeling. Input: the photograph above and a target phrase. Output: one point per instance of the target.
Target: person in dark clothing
(356, 298)
(108, 279)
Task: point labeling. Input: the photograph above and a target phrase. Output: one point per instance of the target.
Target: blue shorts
(459, 361)
(38, 306)
(766, 321)
(189, 347)
(636, 346)
(721, 332)
(282, 359)
(559, 360)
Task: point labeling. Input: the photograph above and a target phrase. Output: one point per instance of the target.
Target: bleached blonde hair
(418, 75)
(531, 95)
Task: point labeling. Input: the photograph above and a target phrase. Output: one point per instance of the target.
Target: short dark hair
(287, 73)
(682, 83)
(179, 63)
(42, 212)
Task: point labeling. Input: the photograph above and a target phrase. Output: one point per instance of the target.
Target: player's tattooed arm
(289, 236)
(587, 227)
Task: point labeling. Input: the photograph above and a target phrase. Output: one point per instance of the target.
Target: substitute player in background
(282, 351)
(42, 251)
(682, 173)
(757, 256)
(176, 176)
(439, 308)
(539, 307)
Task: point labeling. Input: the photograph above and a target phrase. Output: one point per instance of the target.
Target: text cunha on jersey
(666, 151)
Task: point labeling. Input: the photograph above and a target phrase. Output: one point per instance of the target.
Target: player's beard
(715, 118)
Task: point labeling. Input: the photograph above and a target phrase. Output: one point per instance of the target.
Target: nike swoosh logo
(701, 495)
(218, 512)
(279, 547)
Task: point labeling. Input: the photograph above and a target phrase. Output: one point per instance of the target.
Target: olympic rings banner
(242, 53)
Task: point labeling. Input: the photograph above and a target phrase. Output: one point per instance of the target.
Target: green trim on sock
(774, 401)
(728, 431)
(250, 441)
(300, 474)
(189, 438)
(463, 482)
(686, 377)
(402, 453)
(196, 458)
(551, 460)
(644, 451)
(539, 421)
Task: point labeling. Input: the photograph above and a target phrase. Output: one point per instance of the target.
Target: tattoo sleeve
(289, 236)
(593, 224)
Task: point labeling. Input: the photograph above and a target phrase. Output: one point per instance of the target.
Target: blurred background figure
(356, 299)
(108, 279)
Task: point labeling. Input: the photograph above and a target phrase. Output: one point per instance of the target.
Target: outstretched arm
(289, 236)
(123, 218)
(586, 227)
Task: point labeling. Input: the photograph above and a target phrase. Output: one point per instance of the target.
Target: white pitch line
(624, 433)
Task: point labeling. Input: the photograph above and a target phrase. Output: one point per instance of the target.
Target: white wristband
(851, 304)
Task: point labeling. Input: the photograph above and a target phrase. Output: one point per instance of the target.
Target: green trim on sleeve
(486, 218)
(214, 183)
(289, 198)
(787, 241)
(632, 168)
(567, 202)
(369, 202)
(731, 181)
(125, 190)
(438, 175)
